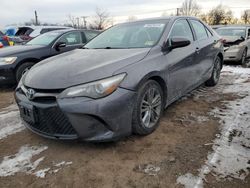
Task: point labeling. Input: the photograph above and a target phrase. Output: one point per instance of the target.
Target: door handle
(197, 50)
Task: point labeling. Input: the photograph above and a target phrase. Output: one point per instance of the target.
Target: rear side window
(182, 29)
(248, 32)
(90, 34)
(209, 33)
(199, 29)
(45, 31)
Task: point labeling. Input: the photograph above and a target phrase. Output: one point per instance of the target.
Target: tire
(22, 69)
(243, 58)
(148, 108)
(214, 79)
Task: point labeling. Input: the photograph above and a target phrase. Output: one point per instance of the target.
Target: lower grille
(51, 122)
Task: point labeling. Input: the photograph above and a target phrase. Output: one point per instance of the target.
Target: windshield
(234, 32)
(44, 39)
(129, 35)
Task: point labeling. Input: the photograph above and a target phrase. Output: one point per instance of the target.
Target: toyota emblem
(30, 94)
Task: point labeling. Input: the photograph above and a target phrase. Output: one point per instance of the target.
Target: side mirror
(60, 45)
(175, 43)
(179, 42)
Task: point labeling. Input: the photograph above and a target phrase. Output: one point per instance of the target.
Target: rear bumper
(105, 119)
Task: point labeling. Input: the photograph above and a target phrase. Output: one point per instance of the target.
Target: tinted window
(90, 34)
(182, 29)
(44, 31)
(248, 32)
(199, 30)
(71, 38)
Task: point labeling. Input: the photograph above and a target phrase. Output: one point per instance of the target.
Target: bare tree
(101, 19)
(72, 20)
(190, 8)
(246, 16)
(220, 15)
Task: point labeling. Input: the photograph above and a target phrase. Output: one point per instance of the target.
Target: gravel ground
(203, 141)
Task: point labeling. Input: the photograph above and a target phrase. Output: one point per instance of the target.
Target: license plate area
(27, 112)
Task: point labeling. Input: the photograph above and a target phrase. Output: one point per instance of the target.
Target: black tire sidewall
(137, 125)
(21, 68)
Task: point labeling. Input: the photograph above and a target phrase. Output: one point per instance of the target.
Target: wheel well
(30, 60)
(162, 83)
(221, 57)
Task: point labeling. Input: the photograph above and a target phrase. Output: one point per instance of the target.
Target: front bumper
(6, 75)
(233, 54)
(82, 118)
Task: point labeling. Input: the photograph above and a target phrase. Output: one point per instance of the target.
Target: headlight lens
(7, 60)
(97, 89)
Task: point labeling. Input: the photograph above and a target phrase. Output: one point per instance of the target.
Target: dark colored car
(121, 82)
(16, 60)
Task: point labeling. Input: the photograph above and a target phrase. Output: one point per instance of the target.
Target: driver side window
(72, 38)
(182, 29)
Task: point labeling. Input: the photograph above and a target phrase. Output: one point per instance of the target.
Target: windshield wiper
(108, 47)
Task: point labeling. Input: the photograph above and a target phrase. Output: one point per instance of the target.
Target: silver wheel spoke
(146, 118)
(156, 101)
(150, 107)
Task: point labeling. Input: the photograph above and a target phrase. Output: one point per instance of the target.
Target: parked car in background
(15, 61)
(236, 40)
(121, 81)
(26, 33)
(4, 40)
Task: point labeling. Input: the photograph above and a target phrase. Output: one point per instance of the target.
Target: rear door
(181, 61)
(205, 53)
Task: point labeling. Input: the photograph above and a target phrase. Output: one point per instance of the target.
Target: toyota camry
(122, 80)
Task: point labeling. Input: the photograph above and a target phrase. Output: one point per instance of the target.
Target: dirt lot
(196, 145)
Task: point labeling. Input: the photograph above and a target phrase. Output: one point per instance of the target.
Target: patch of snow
(230, 156)
(41, 173)
(190, 181)
(10, 122)
(149, 169)
(21, 161)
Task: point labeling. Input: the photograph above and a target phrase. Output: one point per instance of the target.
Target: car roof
(231, 26)
(61, 31)
(164, 18)
(42, 27)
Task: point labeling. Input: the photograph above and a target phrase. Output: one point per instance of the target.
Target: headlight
(7, 60)
(97, 89)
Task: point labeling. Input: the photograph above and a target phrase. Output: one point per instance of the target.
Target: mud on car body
(121, 81)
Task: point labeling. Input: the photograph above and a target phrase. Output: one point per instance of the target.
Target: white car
(26, 33)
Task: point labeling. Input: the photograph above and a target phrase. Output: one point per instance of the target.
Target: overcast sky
(56, 11)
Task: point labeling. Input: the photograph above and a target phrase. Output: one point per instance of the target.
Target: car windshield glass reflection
(131, 35)
(44, 39)
(232, 32)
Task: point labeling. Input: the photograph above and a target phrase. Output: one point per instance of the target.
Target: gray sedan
(121, 82)
(236, 41)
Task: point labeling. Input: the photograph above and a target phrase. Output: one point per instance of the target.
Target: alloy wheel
(151, 107)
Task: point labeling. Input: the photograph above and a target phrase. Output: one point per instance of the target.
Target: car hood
(80, 66)
(13, 50)
(232, 39)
